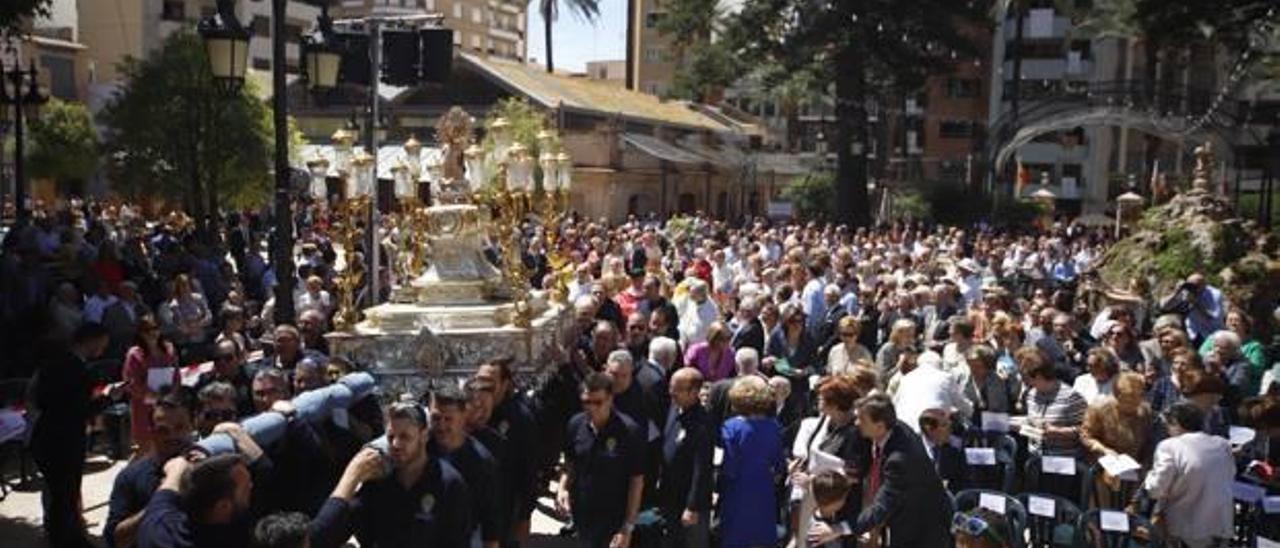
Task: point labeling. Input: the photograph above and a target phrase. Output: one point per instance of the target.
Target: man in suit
(943, 448)
(684, 495)
(61, 397)
(750, 330)
(901, 489)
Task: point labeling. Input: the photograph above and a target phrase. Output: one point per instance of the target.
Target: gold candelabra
(349, 212)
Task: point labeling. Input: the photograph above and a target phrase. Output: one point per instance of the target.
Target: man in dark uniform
(61, 397)
(604, 475)
(133, 487)
(229, 367)
(450, 441)
(513, 419)
(205, 503)
(407, 498)
(688, 441)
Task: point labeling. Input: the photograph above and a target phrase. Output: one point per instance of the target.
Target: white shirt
(1087, 386)
(927, 387)
(1191, 477)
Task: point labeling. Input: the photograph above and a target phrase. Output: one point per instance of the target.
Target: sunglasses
(974, 526)
(848, 334)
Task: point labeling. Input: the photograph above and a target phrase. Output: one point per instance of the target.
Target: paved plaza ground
(20, 511)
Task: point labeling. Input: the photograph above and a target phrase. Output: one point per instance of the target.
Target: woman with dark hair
(151, 364)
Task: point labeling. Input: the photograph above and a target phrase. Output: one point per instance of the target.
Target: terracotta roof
(551, 90)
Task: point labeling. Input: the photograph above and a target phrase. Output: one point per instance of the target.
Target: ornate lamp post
(1128, 200)
(21, 90)
(226, 42)
(321, 56)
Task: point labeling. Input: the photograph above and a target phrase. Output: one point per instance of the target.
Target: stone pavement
(20, 514)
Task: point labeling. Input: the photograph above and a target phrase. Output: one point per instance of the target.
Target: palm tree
(550, 10)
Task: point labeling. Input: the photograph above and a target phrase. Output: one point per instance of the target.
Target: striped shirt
(1062, 407)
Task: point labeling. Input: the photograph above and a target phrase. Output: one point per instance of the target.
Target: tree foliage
(812, 196)
(172, 133)
(64, 146)
(524, 122)
(14, 12)
(865, 50)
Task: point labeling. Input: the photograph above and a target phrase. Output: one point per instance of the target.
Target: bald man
(684, 487)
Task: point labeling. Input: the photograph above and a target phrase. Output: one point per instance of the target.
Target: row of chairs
(1071, 492)
(1059, 523)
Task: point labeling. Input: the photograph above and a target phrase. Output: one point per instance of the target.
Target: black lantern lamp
(226, 42)
(322, 56)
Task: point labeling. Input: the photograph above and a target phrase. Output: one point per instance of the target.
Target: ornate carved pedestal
(450, 319)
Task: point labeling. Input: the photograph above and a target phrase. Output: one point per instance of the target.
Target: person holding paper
(985, 389)
(832, 435)
(1052, 407)
(148, 367)
(901, 490)
(1122, 424)
(1191, 480)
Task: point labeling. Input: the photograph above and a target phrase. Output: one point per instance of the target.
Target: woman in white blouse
(848, 353)
(1100, 378)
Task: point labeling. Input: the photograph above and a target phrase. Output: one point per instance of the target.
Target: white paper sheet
(1240, 435)
(821, 461)
(1041, 506)
(1247, 492)
(1112, 520)
(1063, 466)
(982, 456)
(158, 378)
(995, 422)
(992, 502)
(1121, 466)
(717, 456)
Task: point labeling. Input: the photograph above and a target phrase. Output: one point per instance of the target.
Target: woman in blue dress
(753, 458)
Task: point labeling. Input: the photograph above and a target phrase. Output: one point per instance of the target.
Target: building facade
(484, 27)
(610, 72)
(651, 61)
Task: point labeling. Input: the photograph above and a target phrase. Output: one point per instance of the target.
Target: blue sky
(574, 41)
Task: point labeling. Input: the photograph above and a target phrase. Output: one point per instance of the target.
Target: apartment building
(120, 28)
(613, 73)
(486, 27)
(651, 63)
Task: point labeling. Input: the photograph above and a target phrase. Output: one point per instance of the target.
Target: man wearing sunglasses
(229, 367)
(604, 468)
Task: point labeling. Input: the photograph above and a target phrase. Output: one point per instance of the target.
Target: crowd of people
(720, 384)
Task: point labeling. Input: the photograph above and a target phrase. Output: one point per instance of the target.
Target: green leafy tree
(550, 10)
(812, 196)
(172, 133)
(64, 146)
(13, 13)
(866, 50)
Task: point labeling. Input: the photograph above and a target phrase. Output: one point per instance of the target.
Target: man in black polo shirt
(513, 419)
(229, 367)
(409, 497)
(171, 419)
(604, 458)
(450, 441)
(199, 504)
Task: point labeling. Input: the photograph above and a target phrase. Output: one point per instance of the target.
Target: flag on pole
(1157, 181)
(1023, 179)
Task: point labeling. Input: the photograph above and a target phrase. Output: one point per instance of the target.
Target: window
(652, 19)
(475, 41)
(62, 76)
(261, 64)
(653, 55)
(261, 26)
(477, 16)
(457, 11)
(173, 10)
(962, 88)
(955, 129)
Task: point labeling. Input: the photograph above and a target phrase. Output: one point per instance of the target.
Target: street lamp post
(26, 103)
(227, 43)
